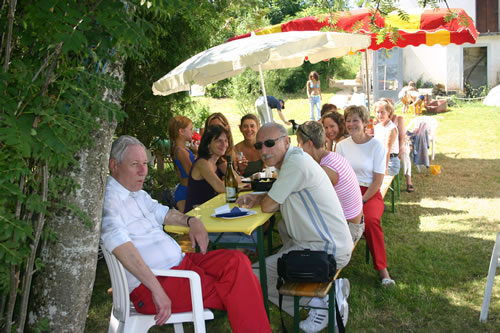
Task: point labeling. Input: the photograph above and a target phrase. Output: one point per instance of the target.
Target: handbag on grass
(306, 266)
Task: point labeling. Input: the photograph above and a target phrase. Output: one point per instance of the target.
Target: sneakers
(388, 282)
(318, 318)
(315, 322)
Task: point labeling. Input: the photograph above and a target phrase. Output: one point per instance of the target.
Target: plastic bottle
(231, 181)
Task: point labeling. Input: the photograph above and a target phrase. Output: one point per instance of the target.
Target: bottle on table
(231, 181)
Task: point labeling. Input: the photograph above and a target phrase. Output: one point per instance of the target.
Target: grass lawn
(438, 242)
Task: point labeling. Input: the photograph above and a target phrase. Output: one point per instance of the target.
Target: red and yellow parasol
(424, 27)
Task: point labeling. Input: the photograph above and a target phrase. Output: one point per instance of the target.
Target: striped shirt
(347, 187)
(135, 217)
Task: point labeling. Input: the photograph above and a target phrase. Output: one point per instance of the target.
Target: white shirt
(382, 134)
(135, 217)
(366, 158)
(309, 204)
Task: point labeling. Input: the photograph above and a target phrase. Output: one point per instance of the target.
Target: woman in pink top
(311, 138)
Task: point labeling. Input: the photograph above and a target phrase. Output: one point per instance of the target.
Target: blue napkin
(233, 213)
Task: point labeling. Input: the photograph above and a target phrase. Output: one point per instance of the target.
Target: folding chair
(494, 263)
(124, 317)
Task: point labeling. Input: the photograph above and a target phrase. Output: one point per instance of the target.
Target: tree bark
(61, 292)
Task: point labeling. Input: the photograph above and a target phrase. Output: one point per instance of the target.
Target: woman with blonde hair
(366, 155)
(180, 131)
(387, 132)
(313, 88)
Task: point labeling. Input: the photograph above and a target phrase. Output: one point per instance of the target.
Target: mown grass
(438, 242)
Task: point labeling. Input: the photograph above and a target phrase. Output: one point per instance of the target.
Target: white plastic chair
(494, 263)
(432, 125)
(124, 317)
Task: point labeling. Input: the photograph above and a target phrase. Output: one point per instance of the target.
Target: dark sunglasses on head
(268, 143)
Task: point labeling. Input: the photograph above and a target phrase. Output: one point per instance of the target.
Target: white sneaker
(388, 282)
(315, 322)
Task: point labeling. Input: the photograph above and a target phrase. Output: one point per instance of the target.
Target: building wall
(444, 64)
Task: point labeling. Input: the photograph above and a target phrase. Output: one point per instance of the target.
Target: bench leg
(398, 186)
(296, 313)
(332, 318)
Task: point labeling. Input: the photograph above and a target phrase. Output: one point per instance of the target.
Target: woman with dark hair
(335, 131)
(205, 178)
(327, 107)
(367, 157)
(249, 161)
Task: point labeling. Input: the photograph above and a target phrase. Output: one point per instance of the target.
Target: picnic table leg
(331, 309)
(296, 313)
(262, 266)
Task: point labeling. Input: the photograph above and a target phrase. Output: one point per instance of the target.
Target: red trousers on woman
(373, 210)
(227, 283)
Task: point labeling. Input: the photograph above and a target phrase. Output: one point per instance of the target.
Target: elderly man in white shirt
(132, 229)
(312, 215)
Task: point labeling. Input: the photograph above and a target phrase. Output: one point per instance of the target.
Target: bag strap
(339, 321)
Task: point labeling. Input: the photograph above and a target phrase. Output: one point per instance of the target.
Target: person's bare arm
(211, 177)
(390, 141)
(130, 258)
(283, 118)
(400, 123)
(268, 205)
(197, 232)
(378, 179)
(334, 177)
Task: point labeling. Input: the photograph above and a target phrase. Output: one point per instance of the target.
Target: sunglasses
(268, 143)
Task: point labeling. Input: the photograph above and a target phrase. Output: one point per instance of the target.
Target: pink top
(347, 187)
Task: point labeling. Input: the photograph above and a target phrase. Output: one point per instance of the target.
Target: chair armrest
(196, 295)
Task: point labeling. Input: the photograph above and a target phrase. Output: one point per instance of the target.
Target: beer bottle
(231, 181)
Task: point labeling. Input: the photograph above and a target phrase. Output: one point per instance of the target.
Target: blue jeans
(315, 101)
(393, 166)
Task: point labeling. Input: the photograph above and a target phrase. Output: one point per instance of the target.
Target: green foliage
(51, 101)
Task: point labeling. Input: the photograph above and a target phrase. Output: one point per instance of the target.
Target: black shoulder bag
(307, 266)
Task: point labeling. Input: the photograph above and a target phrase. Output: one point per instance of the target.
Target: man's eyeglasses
(268, 143)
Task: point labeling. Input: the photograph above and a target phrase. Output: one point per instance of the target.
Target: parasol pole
(367, 81)
(264, 90)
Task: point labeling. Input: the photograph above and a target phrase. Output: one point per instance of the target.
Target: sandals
(409, 188)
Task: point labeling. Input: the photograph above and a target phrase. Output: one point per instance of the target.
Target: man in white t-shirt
(312, 215)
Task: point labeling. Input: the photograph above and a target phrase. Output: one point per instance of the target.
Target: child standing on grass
(180, 131)
(314, 94)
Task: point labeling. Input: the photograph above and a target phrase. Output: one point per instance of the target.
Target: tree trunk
(62, 290)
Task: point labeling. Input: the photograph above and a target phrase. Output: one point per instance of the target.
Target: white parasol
(272, 51)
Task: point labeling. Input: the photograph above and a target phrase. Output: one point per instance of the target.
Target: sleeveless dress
(181, 190)
(199, 191)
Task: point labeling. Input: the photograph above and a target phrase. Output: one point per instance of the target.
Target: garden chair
(494, 263)
(432, 125)
(124, 317)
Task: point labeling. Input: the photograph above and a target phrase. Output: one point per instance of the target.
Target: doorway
(475, 68)
(388, 73)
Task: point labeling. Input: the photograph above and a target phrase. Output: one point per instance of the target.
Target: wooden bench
(312, 289)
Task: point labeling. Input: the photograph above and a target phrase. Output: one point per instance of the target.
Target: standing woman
(314, 94)
(387, 132)
(367, 157)
(180, 131)
(205, 180)
(335, 131)
(249, 161)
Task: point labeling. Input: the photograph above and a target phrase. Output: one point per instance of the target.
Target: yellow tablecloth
(245, 224)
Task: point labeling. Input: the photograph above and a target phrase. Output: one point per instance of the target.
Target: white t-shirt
(382, 133)
(365, 159)
(309, 204)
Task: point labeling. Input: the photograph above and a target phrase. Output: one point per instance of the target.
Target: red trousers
(373, 210)
(227, 283)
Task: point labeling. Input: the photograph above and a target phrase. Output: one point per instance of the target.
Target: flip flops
(409, 188)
